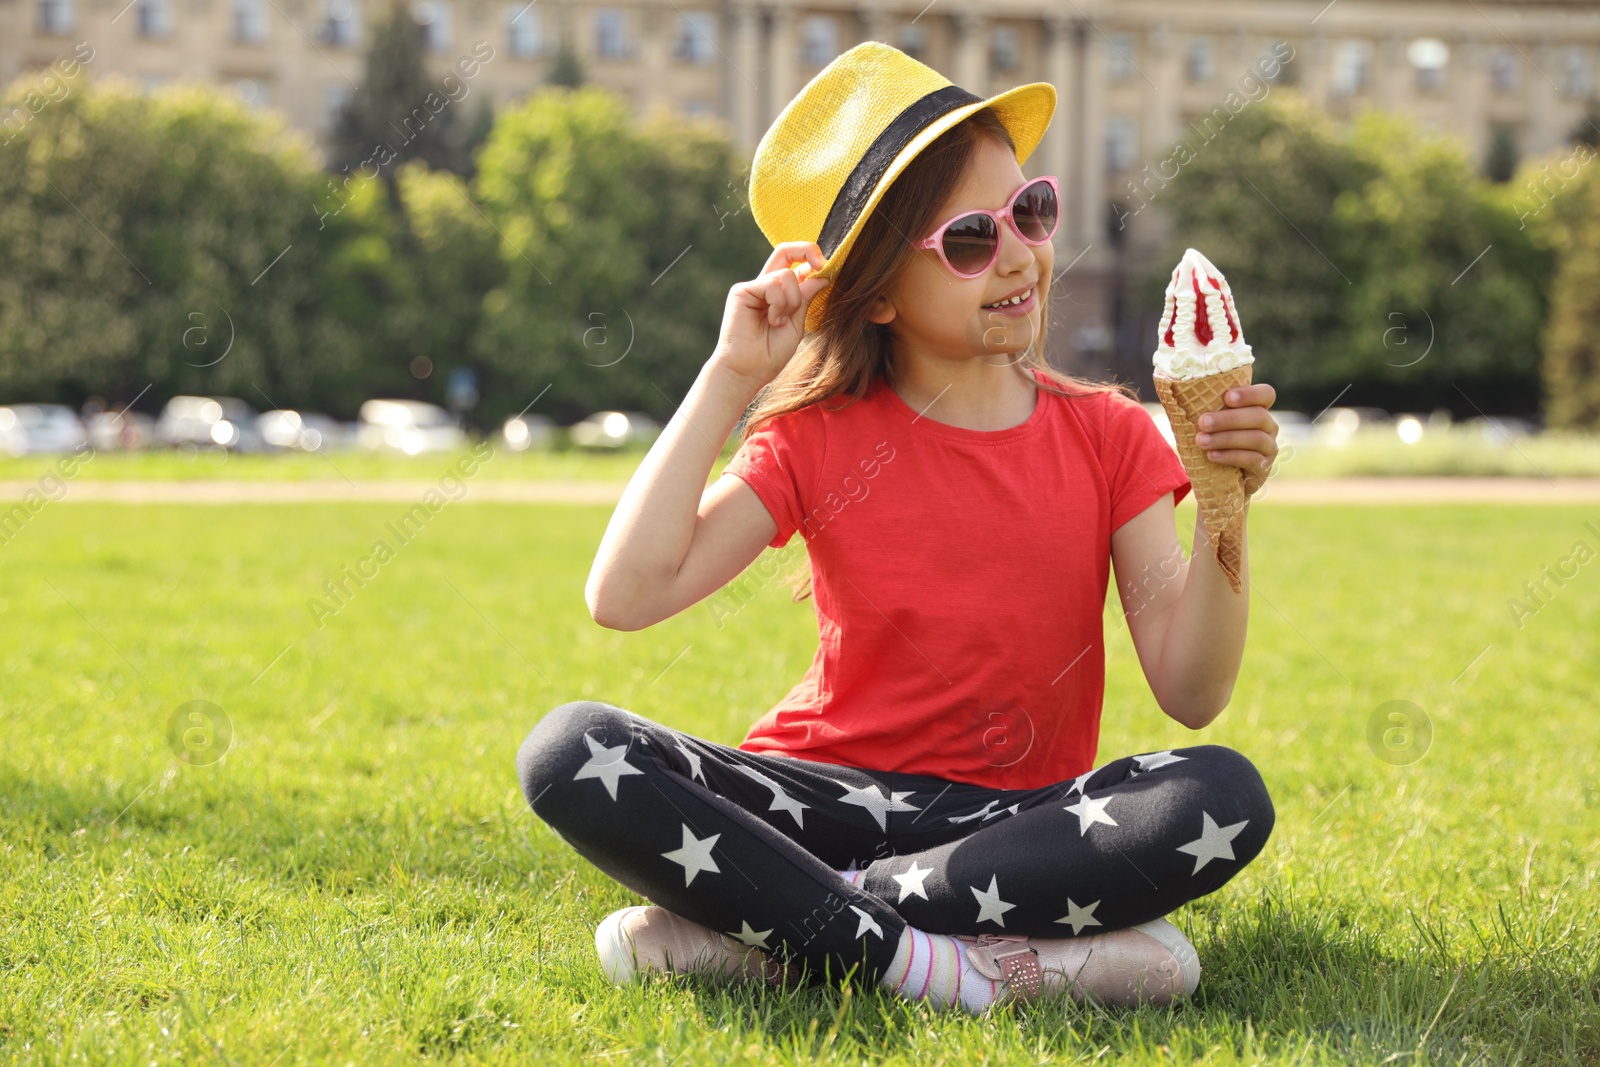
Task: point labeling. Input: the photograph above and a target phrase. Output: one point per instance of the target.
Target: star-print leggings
(750, 844)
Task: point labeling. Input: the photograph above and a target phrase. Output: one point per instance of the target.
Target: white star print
(911, 882)
(981, 813)
(1080, 917)
(606, 764)
(695, 855)
(1079, 782)
(781, 801)
(985, 813)
(1214, 843)
(1150, 761)
(872, 798)
(758, 938)
(867, 924)
(1090, 812)
(694, 763)
(990, 906)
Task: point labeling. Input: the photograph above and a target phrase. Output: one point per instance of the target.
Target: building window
(253, 92)
(341, 23)
(1429, 57)
(819, 41)
(697, 37)
(1503, 71)
(334, 99)
(1121, 144)
(1004, 51)
(611, 34)
(434, 18)
(524, 31)
(154, 18)
(1575, 73)
(55, 16)
(1352, 67)
(1199, 63)
(249, 21)
(913, 40)
(1121, 57)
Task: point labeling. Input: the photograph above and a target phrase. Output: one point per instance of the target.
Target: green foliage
(169, 239)
(620, 241)
(185, 242)
(1502, 162)
(1354, 252)
(566, 68)
(1572, 353)
(397, 113)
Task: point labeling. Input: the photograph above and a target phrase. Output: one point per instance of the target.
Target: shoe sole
(615, 948)
(1173, 940)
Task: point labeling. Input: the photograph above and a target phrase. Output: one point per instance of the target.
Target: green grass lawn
(358, 880)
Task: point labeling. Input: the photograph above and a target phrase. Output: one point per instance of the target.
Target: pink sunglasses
(970, 243)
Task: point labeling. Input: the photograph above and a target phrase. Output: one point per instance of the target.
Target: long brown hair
(848, 351)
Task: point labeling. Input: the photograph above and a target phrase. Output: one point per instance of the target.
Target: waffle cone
(1218, 488)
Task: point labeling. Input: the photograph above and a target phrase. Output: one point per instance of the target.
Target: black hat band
(857, 188)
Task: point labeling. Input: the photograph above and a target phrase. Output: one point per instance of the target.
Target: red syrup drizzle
(1227, 309)
(1173, 321)
(1202, 325)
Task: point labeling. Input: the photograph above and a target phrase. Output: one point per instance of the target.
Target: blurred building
(1134, 76)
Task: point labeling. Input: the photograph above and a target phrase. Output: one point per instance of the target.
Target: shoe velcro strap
(1007, 958)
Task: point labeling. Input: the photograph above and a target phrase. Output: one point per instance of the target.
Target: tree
(566, 69)
(1370, 261)
(1571, 227)
(620, 242)
(1502, 161)
(397, 114)
(182, 242)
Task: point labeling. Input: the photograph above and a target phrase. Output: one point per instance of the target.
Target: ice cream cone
(1202, 354)
(1218, 488)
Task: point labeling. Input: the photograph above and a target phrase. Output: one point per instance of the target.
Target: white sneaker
(1151, 963)
(638, 940)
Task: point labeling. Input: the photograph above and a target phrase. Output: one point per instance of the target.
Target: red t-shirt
(959, 578)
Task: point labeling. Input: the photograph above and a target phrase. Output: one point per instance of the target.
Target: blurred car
(408, 426)
(1338, 425)
(1294, 427)
(1158, 415)
(522, 432)
(110, 431)
(614, 429)
(26, 428)
(1500, 429)
(306, 431)
(209, 422)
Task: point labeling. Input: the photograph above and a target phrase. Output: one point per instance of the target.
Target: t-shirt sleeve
(1140, 466)
(781, 462)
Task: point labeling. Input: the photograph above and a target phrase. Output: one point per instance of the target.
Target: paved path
(1277, 491)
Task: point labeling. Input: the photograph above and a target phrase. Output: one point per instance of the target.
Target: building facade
(1134, 77)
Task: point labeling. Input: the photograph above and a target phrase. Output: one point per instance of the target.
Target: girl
(924, 804)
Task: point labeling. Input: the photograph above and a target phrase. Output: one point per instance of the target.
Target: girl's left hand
(1242, 434)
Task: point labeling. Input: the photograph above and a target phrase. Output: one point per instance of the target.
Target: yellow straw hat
(840, 143)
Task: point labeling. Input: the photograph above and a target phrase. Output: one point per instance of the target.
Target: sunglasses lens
(1036, 211)
(969, 243)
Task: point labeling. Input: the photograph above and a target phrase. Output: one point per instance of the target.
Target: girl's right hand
(765, 317)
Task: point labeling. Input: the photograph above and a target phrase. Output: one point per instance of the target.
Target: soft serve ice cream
(1200, 355)
(1200, 332)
